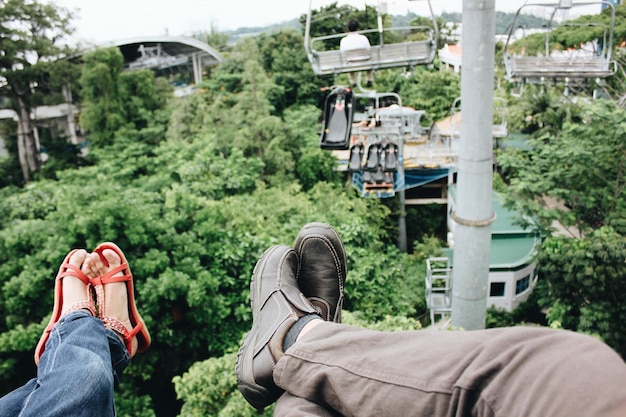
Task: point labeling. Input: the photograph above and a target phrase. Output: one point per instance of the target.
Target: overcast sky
(102, 21)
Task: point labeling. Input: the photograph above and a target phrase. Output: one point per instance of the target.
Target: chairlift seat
(338, 115)
(403, 54)
(575, 64)
(525, 67)
(408, 117)
(356, 55)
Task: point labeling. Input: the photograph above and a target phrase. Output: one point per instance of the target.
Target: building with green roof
(513, 270)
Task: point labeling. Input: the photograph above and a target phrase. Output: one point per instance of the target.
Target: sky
(99, 22)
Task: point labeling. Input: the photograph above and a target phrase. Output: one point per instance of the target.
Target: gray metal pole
(402, 238)
(474, 211)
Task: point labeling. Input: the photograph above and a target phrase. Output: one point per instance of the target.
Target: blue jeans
(82, 362)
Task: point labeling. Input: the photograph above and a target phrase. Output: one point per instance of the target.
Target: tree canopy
(31, 38)
(194, 189)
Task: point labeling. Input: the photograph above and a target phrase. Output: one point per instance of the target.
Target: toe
(93, 266)
(78, 258)
(112, 258)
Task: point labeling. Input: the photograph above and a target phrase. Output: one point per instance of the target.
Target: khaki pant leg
(291, 406)
(501, 372)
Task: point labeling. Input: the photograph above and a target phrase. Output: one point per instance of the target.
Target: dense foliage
(577, 158)
(32, 35)
(591, 32)
(194, 189)
(571, 179)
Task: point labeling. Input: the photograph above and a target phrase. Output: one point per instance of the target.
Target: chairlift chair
(338, 116)
(381, 55)
(574, 65)
(380, 144)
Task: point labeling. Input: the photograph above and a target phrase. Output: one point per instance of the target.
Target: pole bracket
(473, 223)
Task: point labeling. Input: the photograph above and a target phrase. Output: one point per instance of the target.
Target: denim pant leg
(513, 372)
(76, 374)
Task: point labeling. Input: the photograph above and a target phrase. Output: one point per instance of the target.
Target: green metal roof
(515, 141)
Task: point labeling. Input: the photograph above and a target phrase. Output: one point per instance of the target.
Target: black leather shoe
(277, 303)
(322, 269)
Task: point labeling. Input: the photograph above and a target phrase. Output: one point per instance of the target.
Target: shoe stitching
(319, 310)
(332, 250)
(328, 242)
(265, 337)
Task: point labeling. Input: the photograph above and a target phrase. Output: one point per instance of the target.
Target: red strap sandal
(139, 328)
(64, 270)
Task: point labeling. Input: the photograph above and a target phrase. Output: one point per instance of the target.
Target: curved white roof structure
(165, 52)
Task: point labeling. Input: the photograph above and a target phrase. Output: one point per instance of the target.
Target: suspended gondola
(326, 58)
(338, 116)
(591, 60)
(377, 143)
(369, 138)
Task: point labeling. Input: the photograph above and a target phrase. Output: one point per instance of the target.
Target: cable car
(326, 58)
(591, 60)
(369, 138)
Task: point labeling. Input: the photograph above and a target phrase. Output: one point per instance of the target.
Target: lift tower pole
(474, 211)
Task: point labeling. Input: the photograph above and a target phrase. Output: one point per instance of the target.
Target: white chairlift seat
(407, 117)
(542, 67)
(403, 54)
(326, 57)
(573, 64)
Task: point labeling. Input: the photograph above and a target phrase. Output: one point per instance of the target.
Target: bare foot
(113, 300)
(74, 291)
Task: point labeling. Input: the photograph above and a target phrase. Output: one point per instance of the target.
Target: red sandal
(64, 270)
(139, 327)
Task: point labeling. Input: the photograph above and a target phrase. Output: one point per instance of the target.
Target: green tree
(284, 59)
(209, 388)
(120, 103)
(573, 175)
(102, 113)
(581, 166)
(32, 37)
(543, 110)
(10, 171)
(584, 281)
(432, 91)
